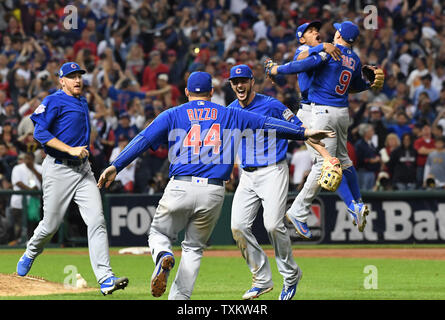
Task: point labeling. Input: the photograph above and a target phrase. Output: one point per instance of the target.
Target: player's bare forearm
(318, 134)
(319, 148)
(80, 151)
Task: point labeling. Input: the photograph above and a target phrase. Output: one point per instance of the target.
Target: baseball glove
(374, 75)
(268, 64)
(331, 174)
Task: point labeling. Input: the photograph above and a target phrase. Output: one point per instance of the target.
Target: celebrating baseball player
(62, 126)
(327, 88)
(201, 136)
(264, 181)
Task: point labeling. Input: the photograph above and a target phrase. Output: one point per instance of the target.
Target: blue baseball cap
(302, 29)
(348, 31)
(70, 67)
(241, 71)
(199, 82)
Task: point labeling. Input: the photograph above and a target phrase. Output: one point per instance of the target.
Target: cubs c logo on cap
(73, 66)
(238, 71)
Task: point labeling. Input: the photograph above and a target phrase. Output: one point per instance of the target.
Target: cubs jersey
(332, 79)
(63, 117)
(270, 152)
(202, 137)
(304, 78)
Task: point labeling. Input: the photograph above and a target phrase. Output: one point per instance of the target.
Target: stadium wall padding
(395, 217)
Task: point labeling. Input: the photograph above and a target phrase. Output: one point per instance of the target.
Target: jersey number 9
(212, 138)
(344, 80)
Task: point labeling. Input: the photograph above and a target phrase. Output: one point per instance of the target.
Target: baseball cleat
(112, 284)
(363, 211)
(161, 273)
(24, 265)
(255, 292)
(301, 227)
(287, 293)
(352, 210)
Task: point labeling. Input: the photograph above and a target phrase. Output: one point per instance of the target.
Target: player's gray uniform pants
(61, 184)
(267, 186)
(323, 118)
(195, 207)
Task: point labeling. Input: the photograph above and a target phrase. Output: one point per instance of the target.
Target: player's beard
(75, 89)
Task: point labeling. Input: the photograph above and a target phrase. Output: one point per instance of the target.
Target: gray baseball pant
(323, 118)
(195, 207)
(268, 187)
(61, 184)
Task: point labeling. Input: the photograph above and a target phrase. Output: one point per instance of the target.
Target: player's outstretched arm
(317, 135)
(293, 67)
(287, 130)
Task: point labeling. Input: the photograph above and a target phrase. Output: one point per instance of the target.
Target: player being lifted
(201, 159)
(326, 106)
(264, 182)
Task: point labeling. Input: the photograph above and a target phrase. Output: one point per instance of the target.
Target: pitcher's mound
(14, 285)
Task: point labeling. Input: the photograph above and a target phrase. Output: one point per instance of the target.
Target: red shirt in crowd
(151, 75)
(419, 143)
(81, 44)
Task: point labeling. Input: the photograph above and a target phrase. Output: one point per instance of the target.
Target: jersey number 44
(211, 139)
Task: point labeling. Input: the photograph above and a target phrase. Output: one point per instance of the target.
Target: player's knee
(96, 222)
(274, 224)
(239, 236)
(238, 226)
(272, 227)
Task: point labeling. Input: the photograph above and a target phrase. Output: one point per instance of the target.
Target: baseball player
(327, 93)
(201, 136)
(62, 127)
(264, 181)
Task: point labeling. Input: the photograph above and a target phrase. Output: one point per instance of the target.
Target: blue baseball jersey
(304, 78)
(332, 79)
(266, 153)
(202, 138)
(63, 117)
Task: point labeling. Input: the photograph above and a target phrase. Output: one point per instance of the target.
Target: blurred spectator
(401, 126)
(414, 80)
(127, 175)
(434, 173)
(151, 71)
(424, 146)
(219, 95)
(9, 138)
(136, 113)
(7, 161)
(368, 159)
(426, 87)
(402, 165)
(300, 166)
(392, 142)
(425, 111)
(377, 120)
(383, 182)
(26, 175)
(125, 129)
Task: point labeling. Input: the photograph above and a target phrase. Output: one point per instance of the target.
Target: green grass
(223, 278)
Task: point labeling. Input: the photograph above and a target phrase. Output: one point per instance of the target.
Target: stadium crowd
(138, 54)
